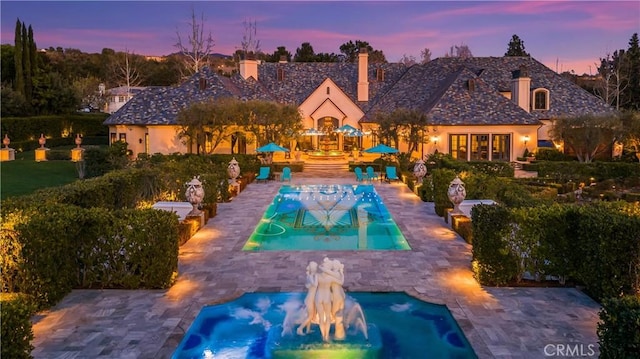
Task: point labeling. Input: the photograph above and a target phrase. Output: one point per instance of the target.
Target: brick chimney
(249, 67)
(521, 88)
(363, 70)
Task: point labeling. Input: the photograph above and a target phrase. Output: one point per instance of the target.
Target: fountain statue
(326, 303)
(456, 194)
(195, 195)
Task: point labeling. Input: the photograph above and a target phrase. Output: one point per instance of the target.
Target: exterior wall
(164, 139)
(517, 134)
(314, 107)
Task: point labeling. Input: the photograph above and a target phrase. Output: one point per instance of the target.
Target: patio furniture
(360, 177)
(371, 174)
(286, 174)
(391, 174)
(264, 173)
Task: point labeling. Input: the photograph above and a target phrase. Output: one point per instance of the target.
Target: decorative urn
(42, 140)
(456, 194)
(6, 141)
(195, 195)
(233, 170)
(78, 140)
(419, 170)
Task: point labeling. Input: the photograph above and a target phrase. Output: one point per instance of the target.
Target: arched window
(540, 99)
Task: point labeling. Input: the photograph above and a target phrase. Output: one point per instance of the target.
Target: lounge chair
(286, 174)
(391, 174)
(359, 176)
(371, 174)
(264, 174)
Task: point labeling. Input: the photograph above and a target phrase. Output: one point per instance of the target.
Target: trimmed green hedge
(57, 126)
(619, 328)
(597, 245)
(582, 172)
(493, 260)
(16, 331)
(55, 248)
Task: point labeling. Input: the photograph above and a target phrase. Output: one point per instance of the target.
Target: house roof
(439, 88)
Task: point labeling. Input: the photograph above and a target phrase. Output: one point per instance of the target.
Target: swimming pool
(253, 326)
(327, 217)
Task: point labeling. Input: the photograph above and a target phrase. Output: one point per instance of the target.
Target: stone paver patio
(499, 322)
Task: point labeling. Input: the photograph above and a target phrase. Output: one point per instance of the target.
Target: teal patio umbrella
(271, 147)
(345, 129)
(381, 148)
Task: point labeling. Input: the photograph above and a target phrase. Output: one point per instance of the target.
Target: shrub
(493, 259)
(16, 332)
(619, 328)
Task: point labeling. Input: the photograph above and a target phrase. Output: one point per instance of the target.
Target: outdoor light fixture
(526, 139)
(435, 140)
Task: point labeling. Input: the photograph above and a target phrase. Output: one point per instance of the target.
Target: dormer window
(379, 75)
(540, 99)
(202, 83)
(280, 75)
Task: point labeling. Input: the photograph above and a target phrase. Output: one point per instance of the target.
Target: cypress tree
(19, 82)
(33, 54)
(632, 100)
(26, 65)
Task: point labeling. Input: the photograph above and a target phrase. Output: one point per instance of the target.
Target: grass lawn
(25, 175)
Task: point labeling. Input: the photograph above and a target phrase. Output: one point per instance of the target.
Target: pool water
(327, 217)
(404, 327)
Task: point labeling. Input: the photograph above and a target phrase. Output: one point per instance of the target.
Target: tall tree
(587, 136)
(197, 47)
(19, 81)
(305, 53)
(516, 47)
(631, 97)
(26, 65)
(612, 80)
(280, 51)
(352, 49)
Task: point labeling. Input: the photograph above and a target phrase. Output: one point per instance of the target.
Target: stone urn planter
(195, 196)
(419, 171)
(456, 194)
(6, 141)
(78, 140)
(233, 170)
(42, 140)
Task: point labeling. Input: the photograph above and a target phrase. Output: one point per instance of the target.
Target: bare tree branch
(198, 45)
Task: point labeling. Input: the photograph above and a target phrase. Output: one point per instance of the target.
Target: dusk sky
(564, 35)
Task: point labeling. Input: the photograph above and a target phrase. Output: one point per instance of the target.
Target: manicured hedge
(56, 247)
(619, 328)
(16, 332)
(493, 260)
(582, 172)
(597, 245)
(57, 126)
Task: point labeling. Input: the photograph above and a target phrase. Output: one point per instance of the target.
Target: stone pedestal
(77, 154)
(41, 154)
(7, 154)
